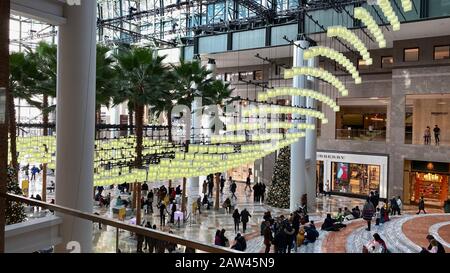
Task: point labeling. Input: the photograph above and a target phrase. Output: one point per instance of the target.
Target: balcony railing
(120, 226)
(361, 134)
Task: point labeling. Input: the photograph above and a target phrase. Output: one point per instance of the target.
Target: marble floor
(402, 234)
(202, 227)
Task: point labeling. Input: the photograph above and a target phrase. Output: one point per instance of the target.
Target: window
(258, 75)
(246, 76)
(231, 77)
(442, 52)
(411, 54)
(387, 61)
(362, 64)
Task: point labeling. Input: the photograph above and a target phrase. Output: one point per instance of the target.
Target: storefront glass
(241, 173)
(432, 186)
(354, 178)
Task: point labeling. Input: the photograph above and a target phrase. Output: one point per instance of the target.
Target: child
(377, 217)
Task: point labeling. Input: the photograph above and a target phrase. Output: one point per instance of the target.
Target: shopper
(210, 186)
(311, 233)
(330, 224)
(245, 215)
(256, 192)
(34, 171)
(427, 136)
(173, 209)
(377, 245)
(399, 205)
(240, 243)
(394, 206)
(421, 205)
(222, 183)
(223, 239)
(367, 213)
(247, 183)
(217, 238)
(149, 241)
(327, 188)
(227, 205)
(289, 237)
(199, 205)
(237, 219)
(150, 201)
(233, 188)
(268, 237)
(162, 214)
(434, 246)
(437, 132)
(204, 187)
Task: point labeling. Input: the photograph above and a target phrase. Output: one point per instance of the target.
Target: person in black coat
(210, 187)
(162, 214)
(237, 218)
(245, 218)
(330, 224)
(289, 233)
(421, 205)
(222, 183)
(233, 188)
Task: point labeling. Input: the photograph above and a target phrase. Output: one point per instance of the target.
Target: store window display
(352, 178)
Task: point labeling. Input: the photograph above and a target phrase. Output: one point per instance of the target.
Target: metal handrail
(159, 235)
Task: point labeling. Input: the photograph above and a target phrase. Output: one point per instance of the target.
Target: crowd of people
(287, 234)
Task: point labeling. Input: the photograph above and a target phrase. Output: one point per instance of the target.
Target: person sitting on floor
(434, 246)
(330, 224)
(356, 212)
(311, 233)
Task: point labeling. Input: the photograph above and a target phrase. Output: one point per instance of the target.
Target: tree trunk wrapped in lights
(279, 190)
(15, 212)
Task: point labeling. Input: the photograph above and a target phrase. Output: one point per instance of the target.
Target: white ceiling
(415, 30)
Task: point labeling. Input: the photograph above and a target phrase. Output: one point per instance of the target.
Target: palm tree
(190, 78)
(46, 55)
(143, 77)
(22, 84)
(106, 80)
(217, 93)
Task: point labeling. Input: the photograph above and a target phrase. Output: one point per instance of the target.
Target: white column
(75, 115)
(311, 142)
(193, 182)
(298, 168)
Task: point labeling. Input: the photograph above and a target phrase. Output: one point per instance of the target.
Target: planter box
(33, 235)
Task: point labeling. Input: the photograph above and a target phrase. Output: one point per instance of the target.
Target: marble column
(298, 167)
(311, 141)
(75, 116)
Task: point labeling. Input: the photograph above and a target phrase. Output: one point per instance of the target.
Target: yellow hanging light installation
(352, 39)
(389, 13)
(367, 19)
(317, 73)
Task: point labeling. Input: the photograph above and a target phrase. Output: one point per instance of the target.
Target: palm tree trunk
(169, 124)
(4, 82)
(12, 132)
(45, 114)
(139, 120)
(45, 133)
(98, 120)
(130, 119)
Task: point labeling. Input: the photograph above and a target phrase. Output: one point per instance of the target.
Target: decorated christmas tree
(279, 190)
(15, 212)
